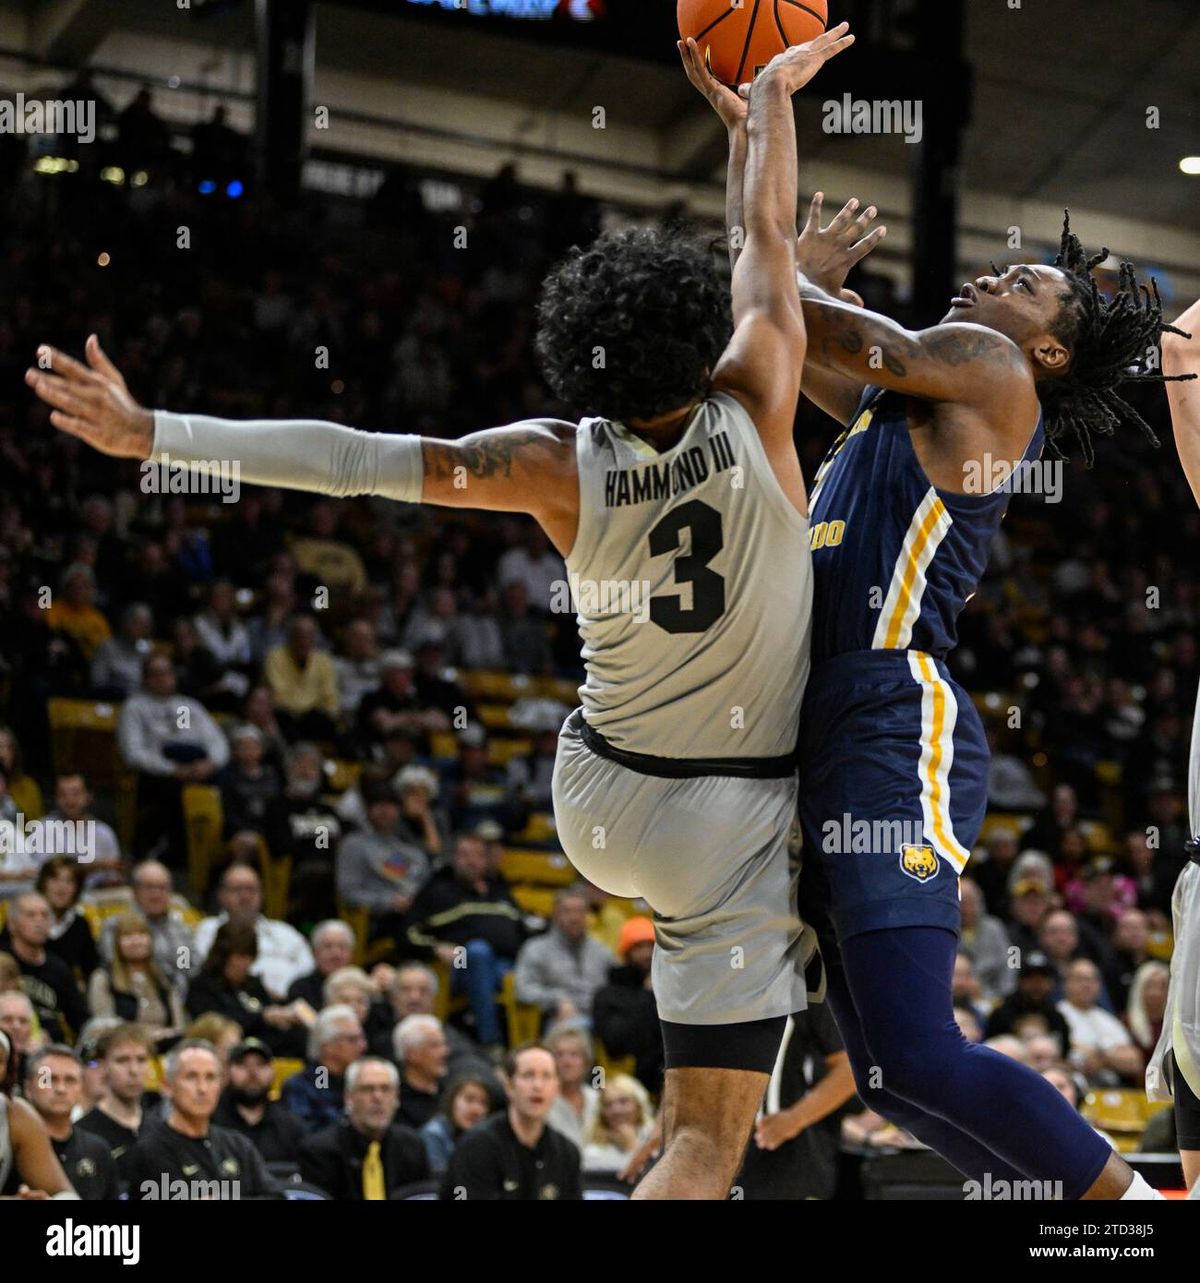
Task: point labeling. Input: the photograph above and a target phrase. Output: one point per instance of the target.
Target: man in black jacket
(1032, 997)
(624, 1014)
(185, 1156)
(47, 980)
(54, 1086)
(514, 1156)
(366, 1155)
(468, 918)
(245, 1108)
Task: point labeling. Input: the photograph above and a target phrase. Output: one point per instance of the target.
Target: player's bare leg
(707, 1117)
(1191, 1166)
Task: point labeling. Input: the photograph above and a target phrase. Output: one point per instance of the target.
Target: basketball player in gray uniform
(682, 515)
(1174, 1069)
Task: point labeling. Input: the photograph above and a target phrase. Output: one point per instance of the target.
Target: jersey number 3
(708, 588)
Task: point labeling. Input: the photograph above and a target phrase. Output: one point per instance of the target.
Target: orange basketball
(740, 37)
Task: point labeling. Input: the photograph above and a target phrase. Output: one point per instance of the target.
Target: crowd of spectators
(254, 645)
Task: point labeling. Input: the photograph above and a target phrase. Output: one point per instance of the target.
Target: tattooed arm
(527, 467)
(1182, 356)
(968, 365)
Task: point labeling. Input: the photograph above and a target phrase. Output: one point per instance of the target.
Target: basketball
(739, 37)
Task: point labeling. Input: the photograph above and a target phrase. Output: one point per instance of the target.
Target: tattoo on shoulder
(481, 458)
(958, 346)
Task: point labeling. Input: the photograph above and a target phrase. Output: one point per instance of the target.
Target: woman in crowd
(578, 1102)
(60, 880)
(624, 1120)
(467, 1100)
(133, 986)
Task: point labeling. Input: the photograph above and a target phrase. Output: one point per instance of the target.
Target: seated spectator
(19, 1023)
(968, 1021)
(624, 1013)
(357, 668)
(1058, 939)
(60, 882)
(420, 1050)
(54, 1086)
(467, 1099)
(225, 985)
(991, 872)
(535, 566)
(1147, 1006)
(396, 752)
(1101, 1046)
(133, 986)
(394, 705)
(561, 970)
(1042, 1052)
(245, 1105)
(248, 785)
(23, 789)
(73, 610)
(46, 979)
(1036, 982)
(116, 670)
(965, 989)
(352, 987)
(367, 1154)
(325, 556)
(514, 1156)
(529, 778)
(1030, 901)
(1129, 949)
(120, 1114)
(206, 1160)
(259, 712)
(269, 628)
(316, 1095)
(223, 1033)
(173, 938)
(95, 844)
(470, 921)
(578, 1101)
(1099, 894)
(303, 823)
(18, 857)
(435, 686)
(411, 991)
(332, 943)
(474, 787)
(88, 1049)
(303, 684)
(380, 868)
(1061, 815)
(201, 674)
(169, 740)
(1068, 1085)
(622, 1124)
(222, 633)
(522, 632)
(417, 789)
(986, 943)
(282, 954)
(35, 1170)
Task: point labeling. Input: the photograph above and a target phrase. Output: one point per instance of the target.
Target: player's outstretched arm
(527, 467)
(1182, 356)
(969, 365)
(763, 363)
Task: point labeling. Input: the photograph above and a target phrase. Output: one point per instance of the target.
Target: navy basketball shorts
(893, 790)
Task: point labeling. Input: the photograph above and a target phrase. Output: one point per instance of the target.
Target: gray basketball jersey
(691, 577)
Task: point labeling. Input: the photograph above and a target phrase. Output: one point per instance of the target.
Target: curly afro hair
(632, 326)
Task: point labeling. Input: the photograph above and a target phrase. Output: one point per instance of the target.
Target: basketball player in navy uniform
(675, 512)
(1174, 1070)
(893, 758)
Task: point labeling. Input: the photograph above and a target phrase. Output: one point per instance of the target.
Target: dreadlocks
(1111, 341)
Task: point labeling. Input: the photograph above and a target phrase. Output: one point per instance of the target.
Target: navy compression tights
(983, 1112)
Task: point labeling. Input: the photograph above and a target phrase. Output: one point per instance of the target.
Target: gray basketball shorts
(710, 856)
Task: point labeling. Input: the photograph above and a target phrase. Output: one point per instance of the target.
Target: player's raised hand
(826, 254)
(91, 401)
(797, 65)
(731, 108)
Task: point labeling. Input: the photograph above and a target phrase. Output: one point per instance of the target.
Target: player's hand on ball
(826, 255)
(92, 402)
(723, 100)
(797, 65)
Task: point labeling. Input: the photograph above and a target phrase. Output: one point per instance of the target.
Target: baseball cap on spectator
(634, 931)
(1030, 886)
(1099, 867)
(247, 730)
(472, 736)
(488, 831)
(250, 1047)
(1036, 963)
(395, 659)
(415, 777)
(377, 790)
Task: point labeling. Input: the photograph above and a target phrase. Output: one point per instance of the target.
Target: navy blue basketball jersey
(895, 559)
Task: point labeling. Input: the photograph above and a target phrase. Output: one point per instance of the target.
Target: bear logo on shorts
(919, 862)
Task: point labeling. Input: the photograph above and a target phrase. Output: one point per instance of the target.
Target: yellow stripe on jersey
(939, 716)
(902, 605)
(861, 424)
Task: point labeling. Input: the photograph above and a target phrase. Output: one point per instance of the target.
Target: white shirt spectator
(283, 953)
(539, 575)
(1094, 1027)
(232, 647)
(148, 723)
